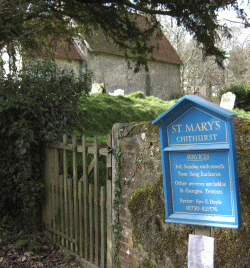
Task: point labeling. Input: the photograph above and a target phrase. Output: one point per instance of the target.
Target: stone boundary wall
(144, 239)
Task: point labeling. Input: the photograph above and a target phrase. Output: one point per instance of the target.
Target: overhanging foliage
(30, 22)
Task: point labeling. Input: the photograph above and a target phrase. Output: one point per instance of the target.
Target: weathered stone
(143, 230)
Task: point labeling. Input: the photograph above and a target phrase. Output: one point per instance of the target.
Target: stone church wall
(162, 80)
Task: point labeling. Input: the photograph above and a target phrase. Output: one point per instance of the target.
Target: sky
(229, 15)
(226, 15)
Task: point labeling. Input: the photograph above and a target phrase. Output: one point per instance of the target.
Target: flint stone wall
(162, 80)
(140, 167)
(145, 239)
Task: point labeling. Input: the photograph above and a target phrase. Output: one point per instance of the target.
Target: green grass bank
(102, 111)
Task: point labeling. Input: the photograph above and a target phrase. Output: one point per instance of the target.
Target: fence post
(115, 173)
(109, 206)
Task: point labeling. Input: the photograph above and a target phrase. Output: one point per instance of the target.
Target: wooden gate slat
(56, 215)
(78, 214)
(81, 231)
(71, 214)
(53, 181)
(91, 229)
(96, 199)
(65, 179)
(86, 187)
(62, 228)
(75, 196)
(103, 226)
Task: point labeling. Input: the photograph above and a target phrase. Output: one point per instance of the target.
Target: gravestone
(118, 92)
(98, 88)
(228, 100)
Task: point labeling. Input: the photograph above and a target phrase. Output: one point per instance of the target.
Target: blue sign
(199, 164)
(197, 127)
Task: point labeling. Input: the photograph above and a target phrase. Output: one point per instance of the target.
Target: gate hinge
(109, 173)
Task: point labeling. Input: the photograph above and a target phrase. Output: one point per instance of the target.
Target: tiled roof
(98, 42)
(163, 50)
(64, 50)
(68, 51)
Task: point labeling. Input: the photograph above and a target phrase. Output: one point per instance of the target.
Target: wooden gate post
(109, 206)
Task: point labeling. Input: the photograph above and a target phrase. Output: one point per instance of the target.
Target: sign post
(199, 164)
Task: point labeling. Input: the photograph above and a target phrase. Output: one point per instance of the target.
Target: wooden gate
(78, 203)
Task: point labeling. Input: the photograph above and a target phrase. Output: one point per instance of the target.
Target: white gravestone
(118, 92)
(228, 100)
(97, 88)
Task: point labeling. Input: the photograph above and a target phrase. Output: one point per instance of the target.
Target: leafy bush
(37, 107)
(242, 113)
(242, 93)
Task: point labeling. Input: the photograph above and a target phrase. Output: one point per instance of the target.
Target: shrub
(138, 95)
(37, 107)
(242, 93)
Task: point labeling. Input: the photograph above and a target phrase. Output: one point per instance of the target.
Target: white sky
(230, 15)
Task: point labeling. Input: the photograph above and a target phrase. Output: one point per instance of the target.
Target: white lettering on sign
(221, 166)
(203, 126)
(180, 183)
(219, 183)
(213, 191)
(197, 156)
(195, 138)
(192, 208)
(182, 174)
(196, 184)
(200, 182)
(196, 191)
(192, 174)
(186, 201)
(203, 174)
(178, 166)
(191, 167)
(215, 202)
(177, 128)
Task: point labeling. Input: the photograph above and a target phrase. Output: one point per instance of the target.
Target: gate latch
(110, 149)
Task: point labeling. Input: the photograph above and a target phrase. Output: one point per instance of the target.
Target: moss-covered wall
(233, 246)
(145, 239)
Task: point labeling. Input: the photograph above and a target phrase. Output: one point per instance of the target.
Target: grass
(102, 111)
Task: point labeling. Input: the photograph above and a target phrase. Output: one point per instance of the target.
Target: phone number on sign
(196, 208)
